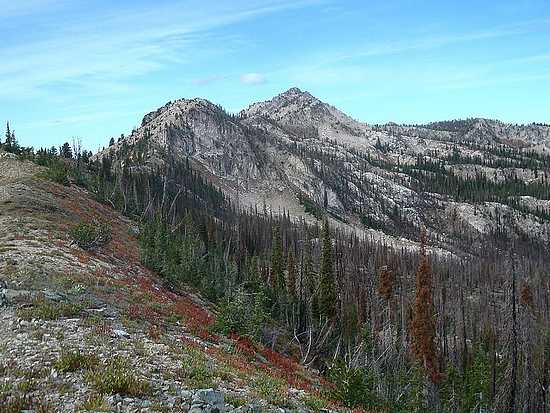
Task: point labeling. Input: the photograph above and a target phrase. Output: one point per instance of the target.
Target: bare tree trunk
(513, 401)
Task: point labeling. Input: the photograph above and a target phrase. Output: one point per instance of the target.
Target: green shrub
(354, 387)
(115, 377)
(271, 389)
(313, 403)
(310, 206)
(89, 236)
(75, 360)
(196, 370)
(58, 171)
(243, 313)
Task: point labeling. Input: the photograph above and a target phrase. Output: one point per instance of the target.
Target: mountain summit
(299, 154)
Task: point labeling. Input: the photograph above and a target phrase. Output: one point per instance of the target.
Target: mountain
(276, 260)
(466, 181)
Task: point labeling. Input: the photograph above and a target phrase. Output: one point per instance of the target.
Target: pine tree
(423, 322)
(327, 290)
(86, 156)
(291, 274)
(10, 144)
(277, 264)
(112, 142)
(7, 142)
(65, 151)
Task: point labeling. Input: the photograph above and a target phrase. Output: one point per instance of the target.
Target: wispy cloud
(129, 43)
(252, 79)
(432, 41)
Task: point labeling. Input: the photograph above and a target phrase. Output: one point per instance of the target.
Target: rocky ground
(96, 331)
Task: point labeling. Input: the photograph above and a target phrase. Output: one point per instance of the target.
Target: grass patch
(115, 377)
(26, 386)
(75, 360)
(313, 403)
(196, 370)
(19, 403)
(271, 389)
(95, 403)
(234, 400)
(48, 310)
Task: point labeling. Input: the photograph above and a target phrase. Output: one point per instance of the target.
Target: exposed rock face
(295, 151)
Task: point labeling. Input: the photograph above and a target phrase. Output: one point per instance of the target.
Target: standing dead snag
(423, 323)
(385, 283)
(526, 297)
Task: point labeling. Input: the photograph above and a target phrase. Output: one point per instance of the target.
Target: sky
(92, 69)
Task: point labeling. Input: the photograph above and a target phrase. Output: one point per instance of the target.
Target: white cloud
(252, 79)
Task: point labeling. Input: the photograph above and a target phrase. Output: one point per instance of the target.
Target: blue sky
(92, 69)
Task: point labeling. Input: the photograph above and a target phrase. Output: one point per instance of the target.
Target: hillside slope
(96, 331)
(465, 181)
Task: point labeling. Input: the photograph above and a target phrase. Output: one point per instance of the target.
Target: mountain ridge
(294, 151)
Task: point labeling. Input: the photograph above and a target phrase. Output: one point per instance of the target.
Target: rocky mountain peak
(297, 93)
(180, 106)
(293, 101)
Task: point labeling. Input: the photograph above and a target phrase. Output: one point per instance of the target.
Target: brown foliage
(526, 296)
(423, 323)
(385, 283)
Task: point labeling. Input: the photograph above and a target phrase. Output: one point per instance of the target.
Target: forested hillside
(459, 323)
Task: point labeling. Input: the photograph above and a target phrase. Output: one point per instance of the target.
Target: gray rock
(121, 333)
(184, 394)
(15, 295)
(210, 397)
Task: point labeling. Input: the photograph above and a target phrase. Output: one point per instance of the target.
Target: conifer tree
(291, 274)
(7, 142)
(10, 144)
(327, 289)
(277, 264)
(423, 322)
(65, 151)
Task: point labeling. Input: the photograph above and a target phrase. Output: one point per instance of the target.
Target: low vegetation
(243, 313)
(95, 403)
(71, 361)
(116, 377)
(197, 371)
(90, 235)
(20, 403)
(42, 308)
